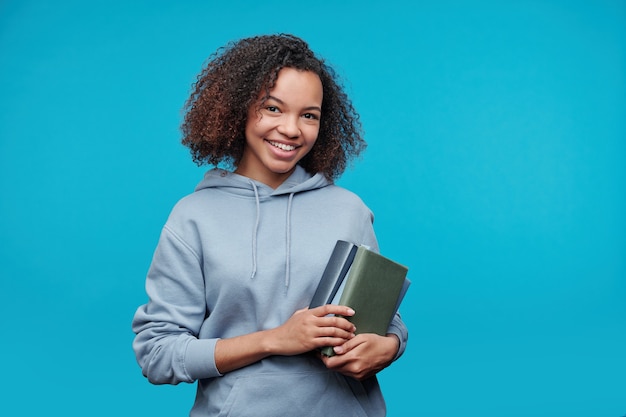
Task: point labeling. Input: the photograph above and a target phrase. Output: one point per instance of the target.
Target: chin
(282, 169)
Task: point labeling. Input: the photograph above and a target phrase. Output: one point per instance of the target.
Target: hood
(228, 181)
(299, 181)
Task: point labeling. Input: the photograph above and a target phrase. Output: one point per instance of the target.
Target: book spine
(334, 274)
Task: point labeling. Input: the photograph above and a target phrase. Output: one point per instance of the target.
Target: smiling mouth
(282, 146)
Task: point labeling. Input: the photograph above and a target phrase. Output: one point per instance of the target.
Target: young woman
(239, 259)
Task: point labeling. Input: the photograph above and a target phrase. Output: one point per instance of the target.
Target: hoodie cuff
(398, 329)
(200, 359)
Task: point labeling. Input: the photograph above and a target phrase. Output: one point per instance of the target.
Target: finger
(333, 309)
(336, 333)
(349, 345)
(338, 322)
(341, 349)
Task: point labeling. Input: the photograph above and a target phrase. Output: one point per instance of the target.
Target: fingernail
(350, 311)
(338, 349)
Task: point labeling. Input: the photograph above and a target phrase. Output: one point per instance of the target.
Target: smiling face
(284, 129)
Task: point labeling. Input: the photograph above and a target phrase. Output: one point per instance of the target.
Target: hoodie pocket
(320, 394)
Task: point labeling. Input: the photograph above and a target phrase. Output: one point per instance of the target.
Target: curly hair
(234, 78)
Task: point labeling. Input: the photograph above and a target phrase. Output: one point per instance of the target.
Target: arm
(166, 328)
(304, 331)
(167, 345)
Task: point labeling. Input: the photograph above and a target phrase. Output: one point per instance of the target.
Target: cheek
(312, 133)
(254, 123)
(254, 128)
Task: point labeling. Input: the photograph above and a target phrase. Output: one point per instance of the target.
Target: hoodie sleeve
(166, 343)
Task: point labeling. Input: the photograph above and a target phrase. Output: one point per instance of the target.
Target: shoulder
(344, 194)
(345, 200)
(188, 204)
(188, 210)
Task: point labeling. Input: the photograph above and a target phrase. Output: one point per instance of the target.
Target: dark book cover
(334, 274)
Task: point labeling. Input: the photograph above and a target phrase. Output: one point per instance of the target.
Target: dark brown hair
(232, 81)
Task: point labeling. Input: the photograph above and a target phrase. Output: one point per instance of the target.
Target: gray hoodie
(236, 257)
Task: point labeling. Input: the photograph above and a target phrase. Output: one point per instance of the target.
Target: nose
(289, 127)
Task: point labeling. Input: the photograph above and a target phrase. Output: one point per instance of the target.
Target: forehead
(297, 85)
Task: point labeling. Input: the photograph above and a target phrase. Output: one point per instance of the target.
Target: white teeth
(282, 146)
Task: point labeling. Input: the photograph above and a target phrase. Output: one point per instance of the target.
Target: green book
(369, 283)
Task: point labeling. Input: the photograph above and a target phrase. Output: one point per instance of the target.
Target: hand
(309, 329)
(364, 355)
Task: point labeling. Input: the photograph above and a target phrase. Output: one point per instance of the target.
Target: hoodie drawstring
(288, 242)
(256, 228)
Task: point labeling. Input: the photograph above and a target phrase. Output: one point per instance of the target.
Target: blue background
(496, 169)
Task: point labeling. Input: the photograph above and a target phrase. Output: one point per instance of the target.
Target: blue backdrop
(496, 170)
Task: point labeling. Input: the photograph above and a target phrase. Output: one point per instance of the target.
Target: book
(368, 282)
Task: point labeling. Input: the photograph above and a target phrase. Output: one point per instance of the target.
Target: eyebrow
(306, 108)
